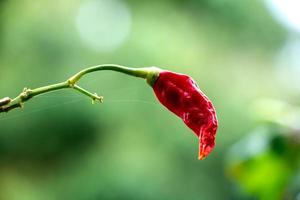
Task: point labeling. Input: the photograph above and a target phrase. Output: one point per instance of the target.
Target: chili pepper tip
(201, 156)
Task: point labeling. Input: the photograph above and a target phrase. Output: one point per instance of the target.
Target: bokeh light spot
(103, 25)
(286, 12)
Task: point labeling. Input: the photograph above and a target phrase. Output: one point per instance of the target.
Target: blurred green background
(243, 55)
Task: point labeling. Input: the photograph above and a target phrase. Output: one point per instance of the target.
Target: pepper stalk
(148, 73)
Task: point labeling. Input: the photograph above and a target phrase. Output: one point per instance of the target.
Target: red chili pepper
(181, 95)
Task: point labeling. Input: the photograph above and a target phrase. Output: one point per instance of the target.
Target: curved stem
(148, 73)
(145, 73)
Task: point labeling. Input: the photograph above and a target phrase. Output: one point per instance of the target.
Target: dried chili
(180, 94)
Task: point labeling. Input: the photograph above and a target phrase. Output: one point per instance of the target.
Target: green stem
(45, 89)
(148, 73)
(89, 94)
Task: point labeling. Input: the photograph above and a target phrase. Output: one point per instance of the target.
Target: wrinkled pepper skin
(180, 94)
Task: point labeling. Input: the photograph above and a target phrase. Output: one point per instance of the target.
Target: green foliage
(265, 164)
